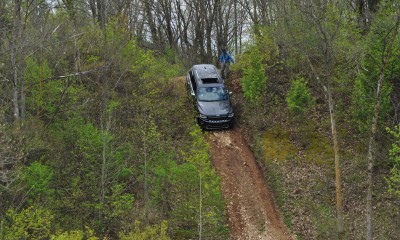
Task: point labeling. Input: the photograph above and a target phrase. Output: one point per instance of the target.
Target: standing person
(225, 59)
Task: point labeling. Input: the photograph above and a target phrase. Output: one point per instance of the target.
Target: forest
(98, 141)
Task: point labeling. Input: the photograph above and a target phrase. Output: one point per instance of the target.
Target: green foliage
(46, 95)
(267, 46)
(177, 185)
(72, 235)
(77, 173)
(299, 98)
(121, 203)
(170, 54)
(43, 93)
(90, 141)
(150, 135)
(156, 232)
(146, 64)
(209, 196)
(365, 88)
(253, 63)
(30, 223)
(72, 138)
(394, 155)
(37, 178)
(112, 105)
(118, 207)
(199, 155)
(254, 78)
(265, 49)
(364, 96)
(80, 173)
(34, 71)
(88, 234)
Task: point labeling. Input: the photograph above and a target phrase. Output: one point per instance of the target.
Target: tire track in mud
(250, 208)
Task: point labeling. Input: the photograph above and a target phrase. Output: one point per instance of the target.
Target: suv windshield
(210, 94)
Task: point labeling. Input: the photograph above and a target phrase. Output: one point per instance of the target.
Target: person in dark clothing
(224, 60)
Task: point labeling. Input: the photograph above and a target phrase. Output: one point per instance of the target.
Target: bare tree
(224, 23)
(15, 46)
(167, 23)
(21, 15)
(149, 12)
(184, 15)
(386, 54)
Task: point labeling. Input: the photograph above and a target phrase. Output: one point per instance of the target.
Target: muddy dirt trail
(251, 211)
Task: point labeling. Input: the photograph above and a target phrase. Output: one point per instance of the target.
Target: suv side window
(193, 81)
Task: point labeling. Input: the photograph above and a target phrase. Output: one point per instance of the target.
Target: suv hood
(214, 108)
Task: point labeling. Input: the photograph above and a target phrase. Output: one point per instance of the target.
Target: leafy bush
(30, 223)
(37, 178)
(253, 63)
(299, 97)
(156, 232)
(88, 234)
(254, 79)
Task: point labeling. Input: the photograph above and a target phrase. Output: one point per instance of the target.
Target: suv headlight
(202, 116)
(231, 115)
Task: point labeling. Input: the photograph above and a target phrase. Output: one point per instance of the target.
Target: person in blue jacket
(224, 60)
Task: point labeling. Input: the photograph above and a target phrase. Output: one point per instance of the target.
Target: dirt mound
(251, 211)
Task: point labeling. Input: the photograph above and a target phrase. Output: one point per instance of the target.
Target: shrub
(254, 79)
(299, 98)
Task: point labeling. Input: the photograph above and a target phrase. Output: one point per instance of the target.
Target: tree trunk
(220, 39)
(14, 57)
(374, 126)
(150, 20)
(101, 13)
(208, 31)
(338, 180)
(105, 118)
(93, 9)
(23, 97)
(371, 154)
(255, 19)
(103, 177)
(146, 190)
(21, 73)
(235, 28)
(167, 11)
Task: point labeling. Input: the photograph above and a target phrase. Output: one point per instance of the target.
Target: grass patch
(325, 221)
(319, 149)
(277, 145)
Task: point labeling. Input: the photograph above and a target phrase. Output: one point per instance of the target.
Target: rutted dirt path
(251, 211)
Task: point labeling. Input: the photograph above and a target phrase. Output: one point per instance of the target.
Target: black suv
(210, 96)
